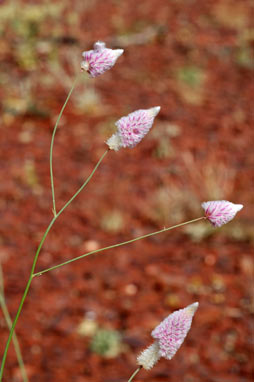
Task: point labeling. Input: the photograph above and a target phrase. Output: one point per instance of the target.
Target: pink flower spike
(132, 128)
(100, 59)
(220, 212)
(169, 336)
(171, 332)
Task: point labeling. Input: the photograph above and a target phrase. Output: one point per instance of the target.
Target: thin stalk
(36, 258)
(7, 318)
(135, 373)
(84, 184)
(52, 144)
(117, 245)
(24, 297)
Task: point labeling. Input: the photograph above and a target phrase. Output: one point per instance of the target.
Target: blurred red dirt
(191, 58)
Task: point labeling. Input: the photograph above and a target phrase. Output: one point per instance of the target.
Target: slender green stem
(9, 324)
(117, 245)
(84, 184)
(24, 297)
(36, 258)
(52, 144)
(135, 373)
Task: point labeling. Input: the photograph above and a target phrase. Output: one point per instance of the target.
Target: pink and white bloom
(100, 59)
(169, 336)
(132, 128)
(220, 212)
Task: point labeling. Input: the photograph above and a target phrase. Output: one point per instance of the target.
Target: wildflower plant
(169, 336)
(131, 129)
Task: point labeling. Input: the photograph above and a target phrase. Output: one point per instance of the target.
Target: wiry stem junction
(35, 262)
(117, 245)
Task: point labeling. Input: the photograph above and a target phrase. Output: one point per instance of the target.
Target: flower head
(132, 128)
(100, 59)
(220, 212)
(169, 336)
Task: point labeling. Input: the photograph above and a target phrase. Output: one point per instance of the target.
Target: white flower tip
(114, 142)
(118, 52)
(154, 111)
(84, 66)
(148, 358)
(238, 207)
(99, 45)
(192, 308)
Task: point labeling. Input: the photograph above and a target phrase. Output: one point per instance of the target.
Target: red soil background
(194, 58)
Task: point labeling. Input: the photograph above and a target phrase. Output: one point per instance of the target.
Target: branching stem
(117, 245)
(35, 261)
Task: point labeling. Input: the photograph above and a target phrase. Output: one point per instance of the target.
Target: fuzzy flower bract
(100, 59)
(220, 212)
(132, 128)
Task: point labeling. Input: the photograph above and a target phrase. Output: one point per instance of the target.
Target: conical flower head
(100, 59)
(169, 336)
(132, 128)
(171, 332)
(220, 212)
